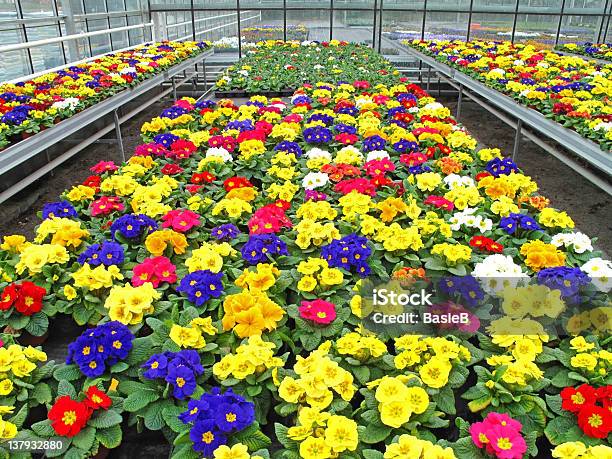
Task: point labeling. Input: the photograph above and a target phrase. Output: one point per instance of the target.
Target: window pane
(99, 43)
(309, 4)
(119, 39)
(308, 25)
(541, 6)
(403, 4)
(491, 26)
(579, 29)
(397, 26)
(446, 25)
(94, 6)
(115, 5)
(48, 56)
(537, 28)
(355, 26)
(14, 63)
(495, 5)
(36, 8)
(136, 36)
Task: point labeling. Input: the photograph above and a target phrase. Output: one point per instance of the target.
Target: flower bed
(274, 32)
(276, 66)
(220, 276)
(597, 50)
(31, 106)
(567, 89)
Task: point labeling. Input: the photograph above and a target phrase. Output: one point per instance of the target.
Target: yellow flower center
(595, 420)
(180, 382)
(504, 443)
(69, 418)
(208, 437)
(230, 417)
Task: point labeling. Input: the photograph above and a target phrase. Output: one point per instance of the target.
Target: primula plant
(82, 423)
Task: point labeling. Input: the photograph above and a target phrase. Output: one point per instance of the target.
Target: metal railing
(48, 41)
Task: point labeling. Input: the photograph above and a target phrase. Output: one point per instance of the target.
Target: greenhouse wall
(231, 24)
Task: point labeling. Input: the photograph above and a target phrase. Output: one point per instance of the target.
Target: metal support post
(118, 134)
(428, 77)
(205, 78)
(459, 100)
(517, 138)
(173, 88)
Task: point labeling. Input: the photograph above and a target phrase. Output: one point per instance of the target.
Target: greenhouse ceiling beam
(570, 140)
(169, 9)
(17, 154)
(47, 41)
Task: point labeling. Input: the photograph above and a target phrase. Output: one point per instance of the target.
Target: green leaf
(281, 435)
(372, 454)
(153, 417)
(42, 393)
(85, 438)
(554, 403)
(563, 429)
(67, 373)
(110, 437)
(38, 324)
(138, 400)
(64, 387)
(374, 433)
(43, 429)
(184, 451)
(105, 419)
(170, 416)
(253, 437)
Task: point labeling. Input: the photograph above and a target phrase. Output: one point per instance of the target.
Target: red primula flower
(97, 399)
(346, 138)
(181, 149)
(595, 421)
(236, 182)
(574, 399)
(68, 417)
(202, 177)
(439, 202)
(29, 298)
(486, 244)
(171, 169)
(9, 296)
(93, 181)
(180, 220)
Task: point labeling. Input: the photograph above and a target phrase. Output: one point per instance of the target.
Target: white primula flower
(243, 72)
(377, 154)
(314, 180)
(127, 70)
(219, 152)
(69, 102)
(496, 272)
(600, 272)
(579, 241)
(433, 106)
(454, 180)
(315, 153)
(604, 126)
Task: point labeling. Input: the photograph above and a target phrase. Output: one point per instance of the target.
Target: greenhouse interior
(275, 229)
